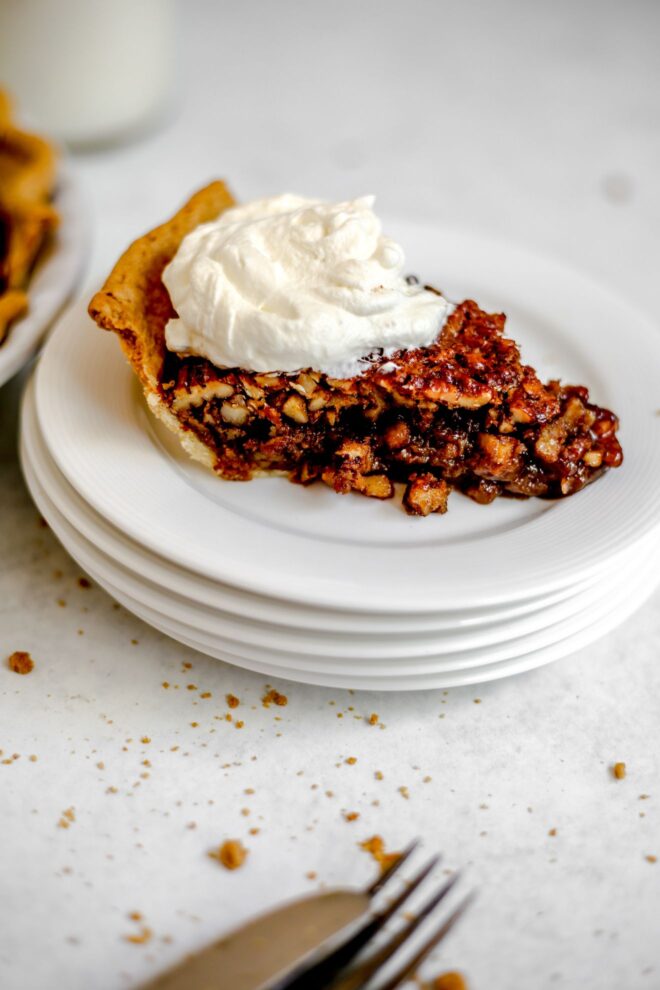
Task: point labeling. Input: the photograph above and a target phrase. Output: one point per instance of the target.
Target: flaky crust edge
(135, 305)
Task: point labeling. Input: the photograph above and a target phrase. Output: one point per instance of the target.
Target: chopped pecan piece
(425, 494)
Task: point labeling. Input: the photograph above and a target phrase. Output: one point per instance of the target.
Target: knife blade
(254, 955)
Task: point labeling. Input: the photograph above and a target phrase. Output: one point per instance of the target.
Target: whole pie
(27, 217)
(459, 412)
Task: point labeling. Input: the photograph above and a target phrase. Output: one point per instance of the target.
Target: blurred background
(538, 122)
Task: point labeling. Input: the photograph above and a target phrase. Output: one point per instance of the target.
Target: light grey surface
(535, 122)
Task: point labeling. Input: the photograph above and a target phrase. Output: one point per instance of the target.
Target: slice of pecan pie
(462, 413)
(27, 218)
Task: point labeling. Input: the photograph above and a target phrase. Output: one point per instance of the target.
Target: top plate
(312, 546)
(53, 280)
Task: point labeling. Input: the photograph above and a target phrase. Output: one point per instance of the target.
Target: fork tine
(359, 976)
(387, 874)
(320, 973)
(409, 968)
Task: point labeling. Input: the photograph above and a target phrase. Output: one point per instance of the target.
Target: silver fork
(328, 968)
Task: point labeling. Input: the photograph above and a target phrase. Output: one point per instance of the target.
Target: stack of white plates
(346, 591)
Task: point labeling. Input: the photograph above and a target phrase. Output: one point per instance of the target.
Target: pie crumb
(375, 846)
(449, 981)
(21, 662)
(67, 818)
(232, 700)
(273, 697)
(651, 858)
(140, 938)
(619, 770)
(231, 854)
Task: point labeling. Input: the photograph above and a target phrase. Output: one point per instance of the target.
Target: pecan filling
(463, 413)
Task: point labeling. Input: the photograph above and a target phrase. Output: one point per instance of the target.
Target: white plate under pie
(616, 598)
(229, 632)
(312, 546)
(552, 622)
(599, 620)
(205, 596)
(54, 278)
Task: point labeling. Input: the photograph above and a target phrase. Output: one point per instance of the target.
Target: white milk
(87, 71)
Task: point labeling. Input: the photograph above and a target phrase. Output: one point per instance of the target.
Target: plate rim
(628, 528)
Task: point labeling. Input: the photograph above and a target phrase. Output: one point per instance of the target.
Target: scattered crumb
(375, 846)
(373, 719)
(651, 858)
(312, 875)
(191, 687)
(255, 831)
(477, 701)
(427, 780)
(32, 758)
(378, 774)
(165, 684)
(351, 760)
(404, 792)
(552, 832)
(206, 694)
(83, 582)
(145, 740)
(351, 816)
(239, 724)
(232, 700)
(21, 662)
(273, 697)
(619, 771)
(61, 603)
(68, 817)
(449, 981)
(145, 935)
(231, 854)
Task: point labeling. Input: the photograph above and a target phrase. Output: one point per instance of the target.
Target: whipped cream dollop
(286, 283)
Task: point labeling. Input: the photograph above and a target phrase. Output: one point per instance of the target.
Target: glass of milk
(87, 71)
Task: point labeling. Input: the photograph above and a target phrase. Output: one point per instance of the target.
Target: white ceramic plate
(185, 623)
(54, 278)
(309, 545)
(229, 632)
(553, 622)
(219, 612)
(404, 675)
